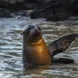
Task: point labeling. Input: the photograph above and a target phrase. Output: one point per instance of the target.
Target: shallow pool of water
(11, 48)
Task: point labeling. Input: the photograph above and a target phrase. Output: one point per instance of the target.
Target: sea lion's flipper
(63, 60)
(61, 44)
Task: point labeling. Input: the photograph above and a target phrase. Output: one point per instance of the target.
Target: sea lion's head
(32, 33)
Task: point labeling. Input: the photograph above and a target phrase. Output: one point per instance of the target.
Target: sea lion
(35, 51)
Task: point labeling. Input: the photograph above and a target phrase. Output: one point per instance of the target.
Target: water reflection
(11, 48)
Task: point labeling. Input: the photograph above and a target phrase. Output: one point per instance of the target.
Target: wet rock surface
(53, 10)
(20, 4)
(56, 10)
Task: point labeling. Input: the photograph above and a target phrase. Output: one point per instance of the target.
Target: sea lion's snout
(35, 32)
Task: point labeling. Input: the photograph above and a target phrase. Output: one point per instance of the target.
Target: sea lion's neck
(37, 42)
(32, 42)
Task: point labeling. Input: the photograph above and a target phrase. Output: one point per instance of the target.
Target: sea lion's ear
(22, 33)
(26, 29)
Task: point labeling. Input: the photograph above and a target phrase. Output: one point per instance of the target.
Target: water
(11, 48)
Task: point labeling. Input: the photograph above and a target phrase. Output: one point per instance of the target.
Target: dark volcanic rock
(31, 4)
(20, 4)
(5, 13)
(56, 10)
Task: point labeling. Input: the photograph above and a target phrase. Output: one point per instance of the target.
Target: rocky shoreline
(52, 10)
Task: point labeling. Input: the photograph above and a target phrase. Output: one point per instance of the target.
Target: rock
(56, 10)
(56, 17)
(5, 13)
(20, 4)
(32, 4)
(53, 10)
(19, 13)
